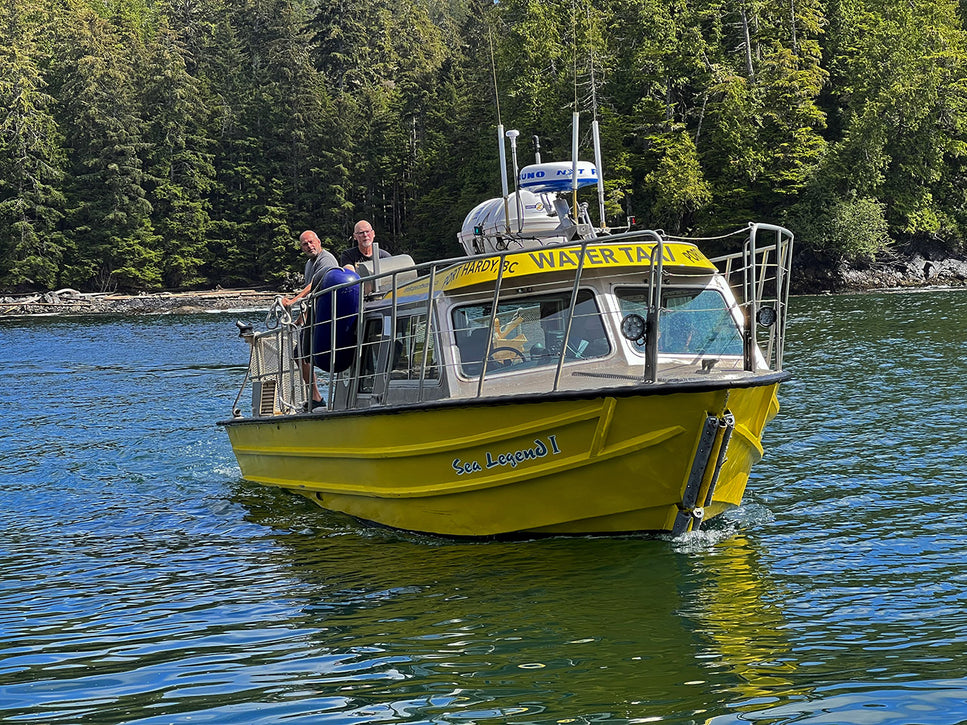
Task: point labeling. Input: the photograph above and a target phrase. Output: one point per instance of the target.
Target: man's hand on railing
(280, 312)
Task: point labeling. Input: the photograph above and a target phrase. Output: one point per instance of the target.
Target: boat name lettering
(558, 259)
(479, 265)
(540, 449)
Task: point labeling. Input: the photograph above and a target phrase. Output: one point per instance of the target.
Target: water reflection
(552, 628)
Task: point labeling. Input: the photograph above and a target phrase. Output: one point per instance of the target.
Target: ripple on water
(144, 583)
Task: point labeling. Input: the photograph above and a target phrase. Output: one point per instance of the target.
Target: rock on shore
(922, 267)
(72, 302)
(914, 268)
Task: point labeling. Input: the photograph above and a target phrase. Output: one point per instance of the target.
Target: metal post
(493, 316)
(654, 311)
(570, 317)
(503, 176)
(752, 301)
(512, 135)
(358, 355)
(598, 164)
(428, 329)
(575, 123)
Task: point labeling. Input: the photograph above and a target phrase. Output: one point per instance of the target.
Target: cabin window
(693, 321)
(408, 350)
(528, 332)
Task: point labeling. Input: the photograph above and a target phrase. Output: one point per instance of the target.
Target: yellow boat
(558, 379)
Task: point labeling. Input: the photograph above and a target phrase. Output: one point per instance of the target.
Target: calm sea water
(142, 581)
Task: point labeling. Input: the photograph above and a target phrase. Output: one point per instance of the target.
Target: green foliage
(179, 144)
(854, 228)
(899, 78)
(108, 227)
(180, 168)
(31, 155)
(679, 187)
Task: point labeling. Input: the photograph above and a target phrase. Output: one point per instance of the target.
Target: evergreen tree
(188, 143)
(222, 63)
(898, 81)
(111, 242)
(31, 158)
(456, 165)
(381, 99)
(660, 83)
(536, 71)
(761, 137)
(179, 164)
(279, 118)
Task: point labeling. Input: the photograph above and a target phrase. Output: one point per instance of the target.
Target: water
(141, 581)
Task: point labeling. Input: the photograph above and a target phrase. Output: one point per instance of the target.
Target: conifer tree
(110, 238)
(381, 94)
(897, 82)
(31, 158)
(456, 165)
(179, 161)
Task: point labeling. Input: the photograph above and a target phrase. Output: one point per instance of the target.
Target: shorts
(304, 346)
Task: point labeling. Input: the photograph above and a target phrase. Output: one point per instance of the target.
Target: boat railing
(273, 370)
(759, 274)
(428, 273)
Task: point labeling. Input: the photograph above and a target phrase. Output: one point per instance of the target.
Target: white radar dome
(494, 226)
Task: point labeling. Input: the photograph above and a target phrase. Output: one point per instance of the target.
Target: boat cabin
(623, 310)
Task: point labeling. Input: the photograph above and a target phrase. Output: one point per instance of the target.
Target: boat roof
(613, 256)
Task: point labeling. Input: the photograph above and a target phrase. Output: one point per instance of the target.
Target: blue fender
(346, 302)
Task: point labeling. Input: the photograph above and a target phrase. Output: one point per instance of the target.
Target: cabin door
(373, 362)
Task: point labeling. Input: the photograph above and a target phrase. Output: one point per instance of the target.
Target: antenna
(575, 122)
(500, 135)
(575, 116)
(503, 175)
(512, 135)
(596, 134)
(493, 70)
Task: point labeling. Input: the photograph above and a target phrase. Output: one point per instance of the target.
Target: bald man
(363, 251)
(320, 261)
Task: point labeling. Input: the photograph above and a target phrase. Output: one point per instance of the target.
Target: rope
(278, 313)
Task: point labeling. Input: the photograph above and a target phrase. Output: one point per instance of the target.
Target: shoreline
(69, 302)
(811, 276)
(916, 270)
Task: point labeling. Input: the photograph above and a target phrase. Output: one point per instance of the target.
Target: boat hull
(606, 463)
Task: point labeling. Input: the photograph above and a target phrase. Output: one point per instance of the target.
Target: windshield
(692, 322)
(529, 332)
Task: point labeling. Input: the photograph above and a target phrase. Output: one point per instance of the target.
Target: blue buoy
(346, 303)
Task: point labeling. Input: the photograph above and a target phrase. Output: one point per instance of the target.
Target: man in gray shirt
(320, 261)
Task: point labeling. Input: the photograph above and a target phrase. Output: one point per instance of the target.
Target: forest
(180, 144)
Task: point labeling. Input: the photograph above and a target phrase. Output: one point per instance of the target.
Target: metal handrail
(756, 276)
(570, 316)
(763, 268)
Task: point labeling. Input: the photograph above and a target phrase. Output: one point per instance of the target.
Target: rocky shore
(72, 302)
(920, 268)
(917, 269)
